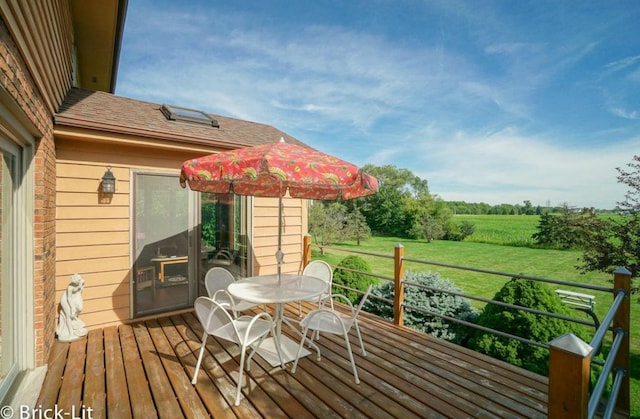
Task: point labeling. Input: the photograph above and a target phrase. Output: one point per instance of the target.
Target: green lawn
(552, 264)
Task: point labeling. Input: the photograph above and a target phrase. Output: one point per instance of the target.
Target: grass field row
(506, 230)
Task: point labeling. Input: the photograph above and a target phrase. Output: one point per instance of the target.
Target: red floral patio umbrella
(273, 169)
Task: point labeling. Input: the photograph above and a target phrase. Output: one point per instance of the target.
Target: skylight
(178, 113)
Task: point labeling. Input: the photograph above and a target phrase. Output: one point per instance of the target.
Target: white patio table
(266, 289)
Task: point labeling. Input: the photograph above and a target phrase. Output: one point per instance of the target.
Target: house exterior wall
(93, 235)
(42, 32)
(35, 72)
(265, 231)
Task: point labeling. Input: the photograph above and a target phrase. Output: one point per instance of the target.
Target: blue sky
(489, 101)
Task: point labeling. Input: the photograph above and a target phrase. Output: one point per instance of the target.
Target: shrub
(459, 232)
(535, 327)
(434, 299)
(348, 278)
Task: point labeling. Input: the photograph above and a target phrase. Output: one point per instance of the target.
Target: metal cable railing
(596, 342)
(602, 328)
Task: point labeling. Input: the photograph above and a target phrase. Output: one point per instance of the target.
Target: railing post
(569, 372)
(398, 292)
(306, 250)
(622, 321)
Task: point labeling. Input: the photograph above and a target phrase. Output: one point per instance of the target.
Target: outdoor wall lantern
(108, 182)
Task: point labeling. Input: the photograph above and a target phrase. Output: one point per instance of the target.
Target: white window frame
(17, 137)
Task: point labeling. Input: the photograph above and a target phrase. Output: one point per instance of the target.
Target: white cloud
(623, 113)
(480, 110)
(506, 167)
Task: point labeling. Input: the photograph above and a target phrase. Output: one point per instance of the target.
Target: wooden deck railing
(570, 358)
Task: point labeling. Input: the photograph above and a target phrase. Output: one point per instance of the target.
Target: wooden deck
(144, 370)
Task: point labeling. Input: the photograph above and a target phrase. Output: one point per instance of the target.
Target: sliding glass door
(224, 226)
(164, 268)
(178, 235)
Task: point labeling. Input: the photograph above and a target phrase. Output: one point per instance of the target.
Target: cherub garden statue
(70, 327)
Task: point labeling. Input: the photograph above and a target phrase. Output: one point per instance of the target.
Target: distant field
(506, 230)
(514, 259)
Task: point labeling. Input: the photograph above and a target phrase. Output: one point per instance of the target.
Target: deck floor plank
(380, 406)
(221, 361)
(334, 353)
(118, 405)
(405, 374)
(141, 400)
(500, 384)
(210, 394)
(48, 396)
(94, 394)
(172, 346)
(70, 398)
(464, 358)
(407, 387)
(439, 380)
(163, 396)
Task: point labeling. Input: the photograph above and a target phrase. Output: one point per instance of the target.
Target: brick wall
(17, 82)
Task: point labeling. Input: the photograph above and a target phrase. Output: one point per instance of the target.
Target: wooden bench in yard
(577, 299)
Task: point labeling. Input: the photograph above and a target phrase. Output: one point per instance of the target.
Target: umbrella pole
(279, 254)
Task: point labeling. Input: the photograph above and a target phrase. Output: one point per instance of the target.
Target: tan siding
(69, 267)
(110, 317)
(83, 169)
(91, 252)
(289, 221)
(102, 304)
(289, 208)
(267, 265)
(45, 51)
(98, 285)
(304, 214)
(91, 239)
(286, 239)
(272, 231)
(76, 213)
(265, 234)
(103, 155)
(290, 251)
(80, 185)
(93, 235)
(96, 225)
(91, 198)
(44, 44)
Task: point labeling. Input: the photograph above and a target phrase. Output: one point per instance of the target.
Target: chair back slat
(319, 269)
(361, 303)
(217, 279)
(212, 315)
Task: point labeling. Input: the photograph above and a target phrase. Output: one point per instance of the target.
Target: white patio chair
(331, 321)
(244, 331)
(318, 269)
(216, 282)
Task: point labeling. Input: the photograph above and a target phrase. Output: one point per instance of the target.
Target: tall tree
(326, 222)
(632, 180)
(569, 229)
(619, 243)
(356, 227)
(403, 203)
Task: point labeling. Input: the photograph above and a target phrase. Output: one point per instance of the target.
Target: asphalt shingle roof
(106, 112)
